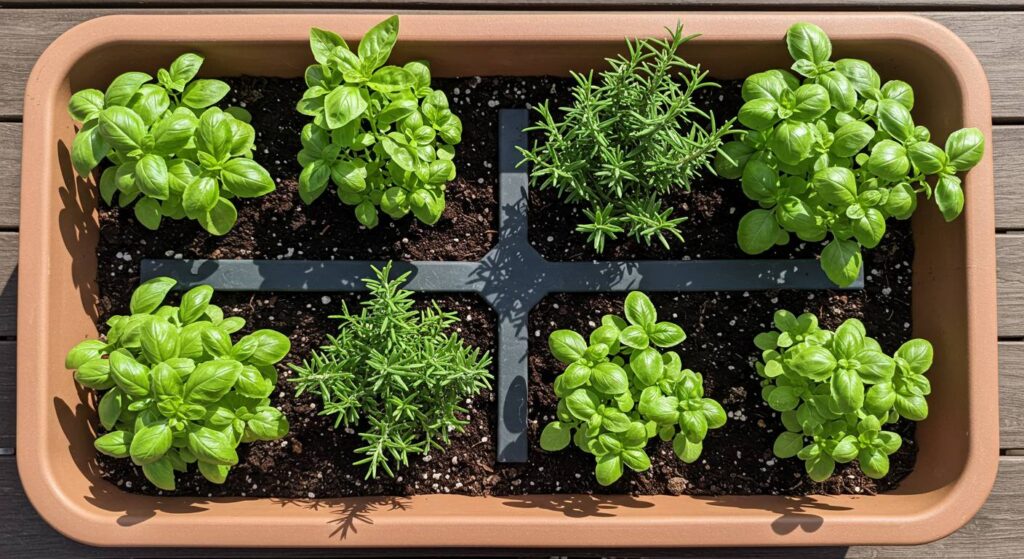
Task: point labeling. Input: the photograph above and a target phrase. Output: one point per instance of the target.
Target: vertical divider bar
(514, 260)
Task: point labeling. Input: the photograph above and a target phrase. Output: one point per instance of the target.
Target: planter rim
(461, 521)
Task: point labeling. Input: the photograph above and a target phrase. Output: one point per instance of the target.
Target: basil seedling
(836, 391)
(175, 390)
(835, 155)
(619, 390)
(631, 137)
(398, 374)
(379, 133)
(171, 151)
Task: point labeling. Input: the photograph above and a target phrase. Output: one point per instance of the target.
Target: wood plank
(1011, 405)
(993, 534)
(8, 284)
(8, 396)
(1010, 280)
(993, 35)
(1009, 168)
(10, 173)
(546, 4)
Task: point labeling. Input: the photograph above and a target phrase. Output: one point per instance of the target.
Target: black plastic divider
(512, 277)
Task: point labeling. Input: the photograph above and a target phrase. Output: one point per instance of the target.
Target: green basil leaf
(427, 206)
(792, 141)
(764, 85)
(160, 473)
(894, 119)
(927, 157)
(211, 380)
(811, 102)
(110, 407)
(184, 68)
(121, 128)
(86, 105)
(246, 179)
(760, 181)
(687, 451)
(115, 443)
(200, 197)
(813, 362)
(566, 346)
(842, 261)
(917, 355)
(313, 180)
(159, 340)
(194, 303)
(366, 214)
(221, 218)
(94, 374)
(271, 347)
(807, 41)
(267, 424)
(173, 133)
(787, 444)
(130, 376)
(150, 443)
(88, 149)
(343, 105)
(375, 47)
(148, 296)
(640, 310)
(83, 352)
(863, 77)
(836, 185)
(121, 90)
(841, 93)
(850, 138)
(759, 114)
(758, 231)
(147, 211)
(875, 366)
(582, 404)
(647, 365)
(634, 336)
(732, 158)
(949, 196)
(204, 93)
(889, 161)
(609, 378)
(965, 147)
(212, 447)
(608, 469)
(150, 103)
(214, 473)
(666, 334)
(151, 176)
(323, 43)
(873, 462)
(899, 91)
(869, 228)
(847, 390)
(846, 449)
(390, 79)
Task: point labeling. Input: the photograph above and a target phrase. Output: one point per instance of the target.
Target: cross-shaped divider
(512, 277)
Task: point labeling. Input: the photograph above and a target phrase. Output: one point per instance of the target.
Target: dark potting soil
(315, 460)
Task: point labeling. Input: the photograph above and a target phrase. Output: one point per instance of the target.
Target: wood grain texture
(1010, 279)
(993, 36)
(8, 399)
(8, 284)
(993, 534)
(1009, 170)
(10, 173)
(1011, 387)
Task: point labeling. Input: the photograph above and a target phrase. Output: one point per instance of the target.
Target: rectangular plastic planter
(953, 288)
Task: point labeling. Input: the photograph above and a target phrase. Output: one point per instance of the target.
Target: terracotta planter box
(953, 292)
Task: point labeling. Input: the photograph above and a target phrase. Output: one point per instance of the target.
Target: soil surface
(314, 460)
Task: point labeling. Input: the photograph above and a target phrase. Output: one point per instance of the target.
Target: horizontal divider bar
(550, 277)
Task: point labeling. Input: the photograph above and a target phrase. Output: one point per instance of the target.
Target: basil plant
(175, 390)
(836, 392)
(834, 154)
(172, 152)
(621, 388)
(380, 134)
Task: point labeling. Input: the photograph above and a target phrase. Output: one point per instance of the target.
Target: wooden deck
(993, 28)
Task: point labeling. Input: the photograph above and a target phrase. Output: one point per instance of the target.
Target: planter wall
(954, 293)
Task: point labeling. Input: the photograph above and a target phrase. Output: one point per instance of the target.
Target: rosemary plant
(395, 373)
(631, 137)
